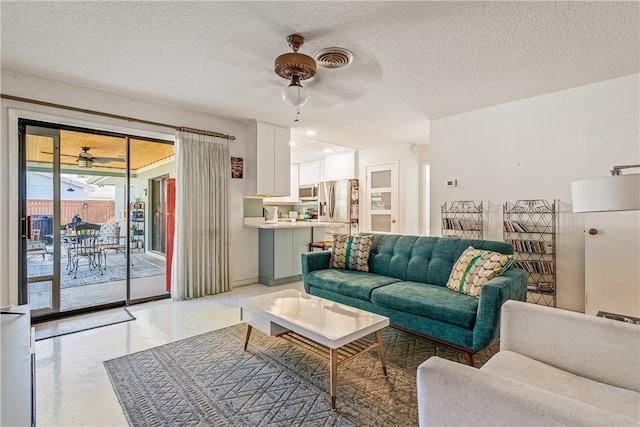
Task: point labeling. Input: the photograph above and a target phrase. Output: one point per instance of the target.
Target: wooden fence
(95, 211)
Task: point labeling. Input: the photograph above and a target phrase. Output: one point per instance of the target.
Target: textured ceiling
(414, 61)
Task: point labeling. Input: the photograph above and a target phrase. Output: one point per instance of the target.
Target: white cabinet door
(281, 161)
(339, 166)
(267, 160)
(310, 172)
(265, 154)
(293, 188)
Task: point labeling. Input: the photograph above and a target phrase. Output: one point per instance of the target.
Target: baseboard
(244, 282)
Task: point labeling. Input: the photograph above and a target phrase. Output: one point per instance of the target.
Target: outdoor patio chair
(110, 240)
(84, 243)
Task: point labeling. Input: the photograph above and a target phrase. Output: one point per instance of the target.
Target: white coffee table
(299, 316)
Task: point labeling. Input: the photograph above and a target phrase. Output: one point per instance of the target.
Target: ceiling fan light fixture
(295, 95)
(85, 163)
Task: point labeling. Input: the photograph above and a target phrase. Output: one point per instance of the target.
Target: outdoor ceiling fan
(86, 160)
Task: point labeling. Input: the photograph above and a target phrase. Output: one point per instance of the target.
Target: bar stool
(321, 245)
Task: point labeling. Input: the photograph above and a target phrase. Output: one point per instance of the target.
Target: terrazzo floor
(72, 386)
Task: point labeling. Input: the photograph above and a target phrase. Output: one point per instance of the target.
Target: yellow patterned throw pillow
(474, 268)
(350, 252)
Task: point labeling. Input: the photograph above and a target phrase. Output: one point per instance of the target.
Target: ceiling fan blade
(48, 152)
(66, 155)
(108, 159)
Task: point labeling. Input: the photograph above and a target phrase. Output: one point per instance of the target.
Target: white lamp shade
(295, 95)
(605, 194)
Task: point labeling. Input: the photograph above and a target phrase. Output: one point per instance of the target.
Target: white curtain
(201, 263)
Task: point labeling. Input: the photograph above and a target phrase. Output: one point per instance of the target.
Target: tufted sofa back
(423, 259)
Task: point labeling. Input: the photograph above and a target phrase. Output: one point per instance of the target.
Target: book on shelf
(457, 224)
(515, 227)
(533, 246)
(541, 267)
(541, 287)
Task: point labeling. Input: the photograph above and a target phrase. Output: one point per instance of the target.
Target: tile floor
(72, 386)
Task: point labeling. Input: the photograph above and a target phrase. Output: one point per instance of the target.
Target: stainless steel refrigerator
(339, 202)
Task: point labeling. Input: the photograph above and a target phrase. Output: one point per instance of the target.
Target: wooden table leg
(333, 375)
(381, 352)
(246, 339)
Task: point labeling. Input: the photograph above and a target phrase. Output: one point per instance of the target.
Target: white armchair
(554, 367)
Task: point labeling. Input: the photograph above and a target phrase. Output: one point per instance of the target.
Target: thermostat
(452, 183)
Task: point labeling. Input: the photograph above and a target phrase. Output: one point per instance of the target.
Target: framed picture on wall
(236, 167)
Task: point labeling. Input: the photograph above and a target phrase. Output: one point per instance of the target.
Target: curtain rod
(115, 116)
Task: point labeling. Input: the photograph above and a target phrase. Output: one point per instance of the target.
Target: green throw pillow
(350, 252)
(474, 268)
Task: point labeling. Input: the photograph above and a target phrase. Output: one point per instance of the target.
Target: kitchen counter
(285, 223)
(280, 246)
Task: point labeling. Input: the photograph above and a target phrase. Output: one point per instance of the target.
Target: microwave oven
(308, 192)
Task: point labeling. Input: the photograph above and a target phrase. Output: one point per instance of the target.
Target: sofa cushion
(434, 302)
(476, 267)
(350, 252)
(523, 369)
(423, 259)
(353, 283)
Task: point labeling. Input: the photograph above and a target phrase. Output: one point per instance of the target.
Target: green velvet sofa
(406, 282)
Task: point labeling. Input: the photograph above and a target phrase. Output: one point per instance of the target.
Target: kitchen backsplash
(252, 208)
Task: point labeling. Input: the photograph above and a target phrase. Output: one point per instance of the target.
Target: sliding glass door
(72, 176)
(40, 242)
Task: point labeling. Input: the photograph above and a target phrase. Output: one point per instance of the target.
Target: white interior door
(612, 252)
(382, 198)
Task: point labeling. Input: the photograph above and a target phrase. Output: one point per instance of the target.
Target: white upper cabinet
(267, 159)
(293, 189)
(339, 166)
(310, 172)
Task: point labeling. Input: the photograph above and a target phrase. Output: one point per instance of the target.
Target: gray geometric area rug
(84, 322)
(209, 380)
(116, 270)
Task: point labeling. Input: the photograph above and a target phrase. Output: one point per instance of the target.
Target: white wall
(40, 187)
(528, 149)
(407, 157)
(244, 252)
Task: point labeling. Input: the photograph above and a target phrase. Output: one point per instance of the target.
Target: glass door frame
(23, 281)
(23, 237)
(154, 195)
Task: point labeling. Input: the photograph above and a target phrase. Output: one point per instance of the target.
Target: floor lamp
(616, 192)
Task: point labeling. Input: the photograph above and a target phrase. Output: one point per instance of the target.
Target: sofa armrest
(603, 350)
(451, 394)
(510, 285)
(312, 261)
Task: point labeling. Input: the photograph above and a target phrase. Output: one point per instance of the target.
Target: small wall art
(236, 167)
